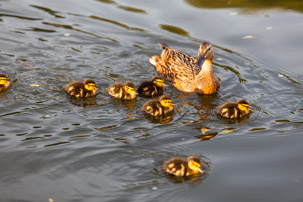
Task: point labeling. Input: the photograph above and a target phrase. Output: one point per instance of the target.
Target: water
(53, 147)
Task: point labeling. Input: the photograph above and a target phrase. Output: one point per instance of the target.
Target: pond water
(102, 149)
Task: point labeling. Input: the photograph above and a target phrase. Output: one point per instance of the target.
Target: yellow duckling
(81, 89)
(4, 83)
(183, 167)
(184, 72)
(158, 107)
(232, 110)
(122, 90)
(151, 88)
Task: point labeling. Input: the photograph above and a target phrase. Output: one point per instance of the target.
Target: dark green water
(104, 149)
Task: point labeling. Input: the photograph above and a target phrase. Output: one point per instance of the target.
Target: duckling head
(129, 88)
(165, 101)
(194, 163)
(243, 105)
(158, 81)
(89, 84)
(3, 79)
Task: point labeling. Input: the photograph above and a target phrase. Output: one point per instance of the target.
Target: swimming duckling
(81, 89)
(158, 107)
(187, 73)
(151, 88)
(4, 83)
(122, 90)
(232, 110)
(183, 167)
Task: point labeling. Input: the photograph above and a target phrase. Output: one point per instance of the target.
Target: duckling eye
(91, 84)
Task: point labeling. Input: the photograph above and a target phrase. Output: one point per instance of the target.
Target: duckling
(184, 72)
(4, 83)
(158, 107)
(151, 88)
(81, 89)
(232, 110)
(122, 90)
(183, 167)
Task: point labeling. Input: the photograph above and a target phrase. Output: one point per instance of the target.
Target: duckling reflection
(81, 89)
(83, 102)
(4, 83)
(184, 72)
(151, 88)
(183, 167)
(122, 90)
(233, 110)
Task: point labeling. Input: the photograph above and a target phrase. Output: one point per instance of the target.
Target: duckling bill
(233, 110)
(122, 90)
(158, 107)
(4, 83)
(81, 89)
(152, 88)
(183, 167)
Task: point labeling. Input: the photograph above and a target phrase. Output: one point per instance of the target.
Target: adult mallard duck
(183, 167)
(158, 107)
(151, 88)
(232, 110)
(4, 83)
(122, 90)
(81, 89)
(187, 73)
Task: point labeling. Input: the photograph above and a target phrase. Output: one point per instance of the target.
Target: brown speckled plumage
(154, 107)
(179, 166)
(184, 72)
(149, 89)
(230, 110)
(77, 89)
(117, 90)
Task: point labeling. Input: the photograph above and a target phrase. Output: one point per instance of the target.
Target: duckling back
(77, 89)
(152, 107)
(228, 110)
(116, 90)
(176, 166)
(149, 89)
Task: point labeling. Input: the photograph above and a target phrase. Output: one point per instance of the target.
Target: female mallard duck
(183, 167)
(184, 72)
(151, 88)
(122, 90)
(232, 110)
(158, 107)
(81, 89)
(4, 83)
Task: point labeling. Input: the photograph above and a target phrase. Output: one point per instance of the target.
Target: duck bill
(201, 60)
(201, 171)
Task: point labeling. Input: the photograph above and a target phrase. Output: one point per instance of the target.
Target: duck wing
(176, 66)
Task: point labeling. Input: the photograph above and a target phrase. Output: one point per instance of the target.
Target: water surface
(104, 149)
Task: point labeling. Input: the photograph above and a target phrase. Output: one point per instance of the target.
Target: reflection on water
(105, 149)
(250, 5)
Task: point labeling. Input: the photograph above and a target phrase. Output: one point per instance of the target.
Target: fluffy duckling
(81, 89)
(122, 90)
(186, 73)
(151, 88)
(4, 83)
(232, 110)
(158, 107)
(183, 167)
